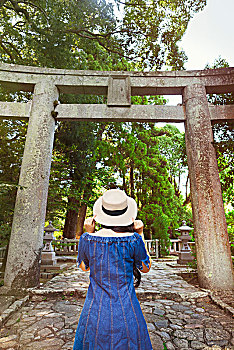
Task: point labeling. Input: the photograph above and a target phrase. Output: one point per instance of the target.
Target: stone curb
(13, 308)
(228, 309)
(172, 296)
(35, 293)
(39, 293)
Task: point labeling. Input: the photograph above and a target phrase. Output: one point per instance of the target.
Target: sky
(210, 34)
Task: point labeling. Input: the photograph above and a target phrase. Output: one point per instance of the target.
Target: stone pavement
(179, 316)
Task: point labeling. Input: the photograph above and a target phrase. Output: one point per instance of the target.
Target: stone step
(48, 275)
(46, 268)
(67, 258)
(58, 253)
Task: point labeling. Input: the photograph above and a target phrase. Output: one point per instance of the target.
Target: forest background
(146, 161)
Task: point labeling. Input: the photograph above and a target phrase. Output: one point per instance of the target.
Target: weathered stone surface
(156, 341)
(22, 269)
(52, 344)
(5, 302)
(96, 82)
(151, 327)
(212, 244)
(170, 346)
(7, 339)
(181, 343)
(189, 334)
(161, 323)
(180, 307)
(159, 312)
(197, 344)
(15, 110)
(193, 326)
(216, 336)
(66, 308)
(44, 332)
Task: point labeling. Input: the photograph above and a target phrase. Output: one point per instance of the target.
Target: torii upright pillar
(23, 262)
(212, 244)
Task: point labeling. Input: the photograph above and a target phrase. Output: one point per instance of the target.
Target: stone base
(48, 258)
(49, 262)
(67, 258)
(177, 265)
(184, 258)
(184, 262)
(53, 267)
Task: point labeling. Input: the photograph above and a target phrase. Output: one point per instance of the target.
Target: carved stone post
(212, 245)
(23, 262)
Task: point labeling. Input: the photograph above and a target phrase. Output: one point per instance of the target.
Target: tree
(224, 146)
(12, 139)
(224, 140)
(132, 150)
(147, 33)
(172, 147)
(152, 29)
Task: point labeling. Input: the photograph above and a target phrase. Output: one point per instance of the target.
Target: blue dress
(111, 318)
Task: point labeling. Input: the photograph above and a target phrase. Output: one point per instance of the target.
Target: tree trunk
(81, 219)
(82, 210)
(132, 194)
(187, 196)
(69, 230)
(2, 269)
(124, 183)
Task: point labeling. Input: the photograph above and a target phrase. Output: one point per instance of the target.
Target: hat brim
(120, 220)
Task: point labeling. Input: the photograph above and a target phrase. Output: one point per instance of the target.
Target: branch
(16, 50)
(20, 23)
(7, 51)
(36, 6)
(19, 9)
(93, 36)
(2, 2)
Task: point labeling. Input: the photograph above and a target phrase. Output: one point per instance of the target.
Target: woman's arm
(89, 224)
(82, 266)
(138, 226)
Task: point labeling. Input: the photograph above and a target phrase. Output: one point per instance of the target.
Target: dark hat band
(114, 212)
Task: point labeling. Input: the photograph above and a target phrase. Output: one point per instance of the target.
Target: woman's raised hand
(89, 224)
(138, 227)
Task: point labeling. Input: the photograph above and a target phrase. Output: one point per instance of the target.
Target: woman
(111, 318)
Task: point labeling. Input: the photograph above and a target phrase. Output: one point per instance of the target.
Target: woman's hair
(122, 229)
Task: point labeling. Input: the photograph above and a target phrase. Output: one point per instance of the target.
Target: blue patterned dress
(111, 318)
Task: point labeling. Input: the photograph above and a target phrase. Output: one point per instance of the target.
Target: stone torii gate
(213, 249)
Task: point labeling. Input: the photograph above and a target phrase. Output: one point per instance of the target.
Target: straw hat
(115, 208)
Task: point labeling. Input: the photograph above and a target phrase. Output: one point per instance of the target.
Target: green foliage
(66, 33)
(133, 151)
(224, 141)
(12, 138)
(230, 227)
(152, 29)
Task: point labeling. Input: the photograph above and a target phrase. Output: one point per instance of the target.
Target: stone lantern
(48, 255)
(185, 255)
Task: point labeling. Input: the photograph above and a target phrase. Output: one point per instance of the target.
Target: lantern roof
(184, 227)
